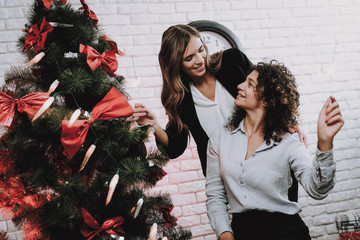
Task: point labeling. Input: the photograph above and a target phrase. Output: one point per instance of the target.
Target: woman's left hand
(329, 123)
(302, 136)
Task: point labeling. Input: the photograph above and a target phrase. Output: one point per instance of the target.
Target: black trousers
(262, 225)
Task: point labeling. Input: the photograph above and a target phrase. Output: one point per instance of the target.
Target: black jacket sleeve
(177, 141)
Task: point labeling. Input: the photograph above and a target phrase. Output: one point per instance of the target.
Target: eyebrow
(252, 80)
(192, 53)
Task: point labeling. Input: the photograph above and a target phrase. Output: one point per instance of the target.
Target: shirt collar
(240, 127)
(263, 146)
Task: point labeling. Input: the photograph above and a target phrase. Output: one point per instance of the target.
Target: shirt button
(245, 196)
(241, 182)
(241, 164)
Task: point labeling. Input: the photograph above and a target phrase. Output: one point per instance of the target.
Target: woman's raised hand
(329, 123)
(302, 136)
(143, 116)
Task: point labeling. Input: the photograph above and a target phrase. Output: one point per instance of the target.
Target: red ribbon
(29, 104)
(113, 45)
(89, 12)
(91, 227)
(113, 105)
(107, 60)
(36, 36)
(167, 216)
(47, 3)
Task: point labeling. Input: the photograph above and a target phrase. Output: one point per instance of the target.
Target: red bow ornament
(91, 227)
(89, 12)
(29, 104)
(107, 60)
(47, 3)
(113, 105)
(36, 36)
(113, 45)
(167, 216)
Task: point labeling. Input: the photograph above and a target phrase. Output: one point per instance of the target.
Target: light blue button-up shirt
(262, 181)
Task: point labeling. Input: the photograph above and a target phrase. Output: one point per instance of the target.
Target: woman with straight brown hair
(198, 90)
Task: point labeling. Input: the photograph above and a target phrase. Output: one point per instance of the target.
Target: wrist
(325, 145)
(157, 127)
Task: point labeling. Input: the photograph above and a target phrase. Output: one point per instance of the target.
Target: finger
(326, 105)
(333, 99)
(332, 106)
(139, 105)
(301, 136)
(138, 115)
(292, 130)
(335, 119)
(305, 141)
(139, 109)
(333, 113)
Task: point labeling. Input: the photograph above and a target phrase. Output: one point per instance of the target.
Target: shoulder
(289, 138)
(218, 134)
(233, 59)
(292, 143)
(234, 54)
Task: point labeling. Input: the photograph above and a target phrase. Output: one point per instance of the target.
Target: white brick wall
(300, 33)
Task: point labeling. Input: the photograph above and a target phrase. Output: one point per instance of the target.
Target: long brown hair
(174, 42)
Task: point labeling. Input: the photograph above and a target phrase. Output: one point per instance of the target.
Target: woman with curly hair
(248, 160)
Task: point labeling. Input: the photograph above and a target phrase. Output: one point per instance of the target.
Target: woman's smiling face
(248, 97)
(193, 62)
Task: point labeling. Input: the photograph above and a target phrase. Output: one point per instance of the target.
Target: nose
(198, 58)
(240, 86)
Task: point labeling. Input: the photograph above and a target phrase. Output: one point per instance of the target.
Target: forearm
(217, 201)
(161, 136)
(322, 177)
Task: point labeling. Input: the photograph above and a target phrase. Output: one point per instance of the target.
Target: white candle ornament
(43, 108)
(74, 117)
(151, 163)
(56, 24)
(88, 154)
(139, 204)
(33, 61)
(153, 232)
(114, 181)
(53, 86)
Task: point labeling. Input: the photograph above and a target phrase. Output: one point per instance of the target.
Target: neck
(254, 122)
(205, 79)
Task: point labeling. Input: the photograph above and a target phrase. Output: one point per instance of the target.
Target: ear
(265, 104)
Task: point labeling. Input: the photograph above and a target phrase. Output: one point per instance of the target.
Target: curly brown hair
(278, 90)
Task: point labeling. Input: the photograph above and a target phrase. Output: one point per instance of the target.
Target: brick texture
(301, 33)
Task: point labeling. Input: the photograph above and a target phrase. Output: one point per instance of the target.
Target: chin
(237, 103)
(199, 74)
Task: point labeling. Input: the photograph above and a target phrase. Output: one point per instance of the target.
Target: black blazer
(234, 69)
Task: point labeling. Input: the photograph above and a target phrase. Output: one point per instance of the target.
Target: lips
(240, 95)
(200, 68)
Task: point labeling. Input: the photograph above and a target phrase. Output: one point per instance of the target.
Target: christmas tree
(73, 164)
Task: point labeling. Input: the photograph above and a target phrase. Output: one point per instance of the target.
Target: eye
(188, 59)
(201, 49)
